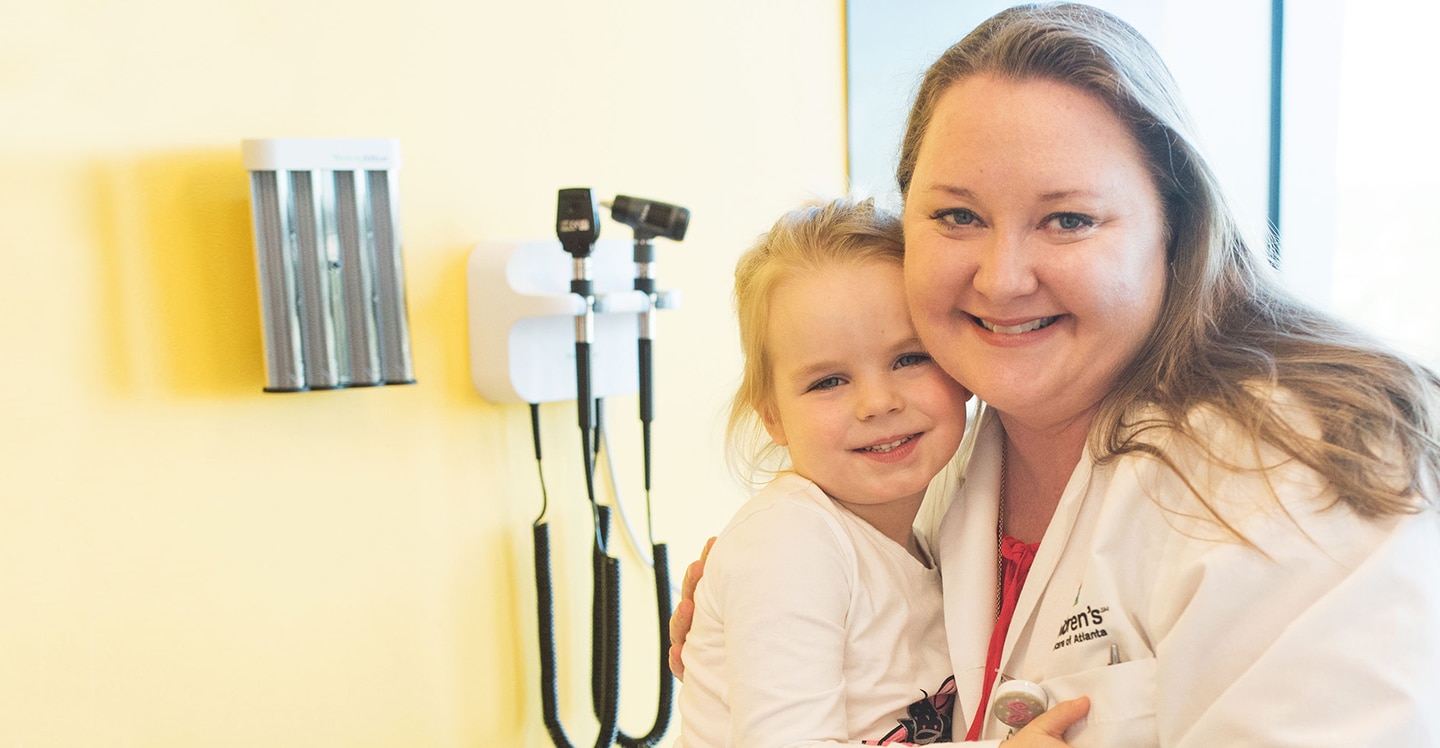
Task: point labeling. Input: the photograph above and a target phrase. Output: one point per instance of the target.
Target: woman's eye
(957, 217)
(1072, 221)
(911, 359)
(828, 383)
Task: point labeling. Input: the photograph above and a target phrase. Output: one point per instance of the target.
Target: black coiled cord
(667, 680)
(606, 643)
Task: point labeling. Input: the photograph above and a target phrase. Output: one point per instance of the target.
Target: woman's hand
(684, 615)
(1048, 729)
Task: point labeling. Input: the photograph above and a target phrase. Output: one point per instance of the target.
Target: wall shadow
(175, 230)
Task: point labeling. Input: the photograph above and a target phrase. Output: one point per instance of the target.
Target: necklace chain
(1000, 531)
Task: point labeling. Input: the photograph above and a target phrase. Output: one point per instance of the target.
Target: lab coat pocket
(1122, 704)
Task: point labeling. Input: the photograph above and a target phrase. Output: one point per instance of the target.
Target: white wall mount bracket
(522, 320)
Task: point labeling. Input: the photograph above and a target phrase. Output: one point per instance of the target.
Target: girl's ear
(773, 426)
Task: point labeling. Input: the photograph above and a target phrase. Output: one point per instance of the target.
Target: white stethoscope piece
(1017, 702)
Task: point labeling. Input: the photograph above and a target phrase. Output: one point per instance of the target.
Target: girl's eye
(957, 217)
(911, 359)
(828, 383)
(1071, 221)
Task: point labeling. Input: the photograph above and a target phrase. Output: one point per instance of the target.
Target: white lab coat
(1325, 633)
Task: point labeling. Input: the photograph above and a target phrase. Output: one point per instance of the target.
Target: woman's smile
(1004, 328)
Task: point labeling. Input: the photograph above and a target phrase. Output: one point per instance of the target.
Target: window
(1387, 250)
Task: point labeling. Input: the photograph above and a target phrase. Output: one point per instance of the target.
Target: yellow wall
(185, 561)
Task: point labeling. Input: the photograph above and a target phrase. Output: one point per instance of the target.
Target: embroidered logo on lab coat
(1083, 626)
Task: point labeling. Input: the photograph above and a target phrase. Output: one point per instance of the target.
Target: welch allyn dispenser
(327, 247)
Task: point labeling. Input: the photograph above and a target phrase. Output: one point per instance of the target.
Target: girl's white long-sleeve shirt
(812, 626)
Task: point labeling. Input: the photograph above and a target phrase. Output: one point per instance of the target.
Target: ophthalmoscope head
(577, 221)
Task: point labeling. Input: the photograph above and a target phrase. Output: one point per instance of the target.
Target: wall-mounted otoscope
(651, 219)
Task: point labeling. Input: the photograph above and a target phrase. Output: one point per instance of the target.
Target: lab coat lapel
(969, 557)
(1042, 571)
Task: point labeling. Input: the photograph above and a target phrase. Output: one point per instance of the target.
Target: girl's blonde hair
(1229, 337)
(845, 231)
